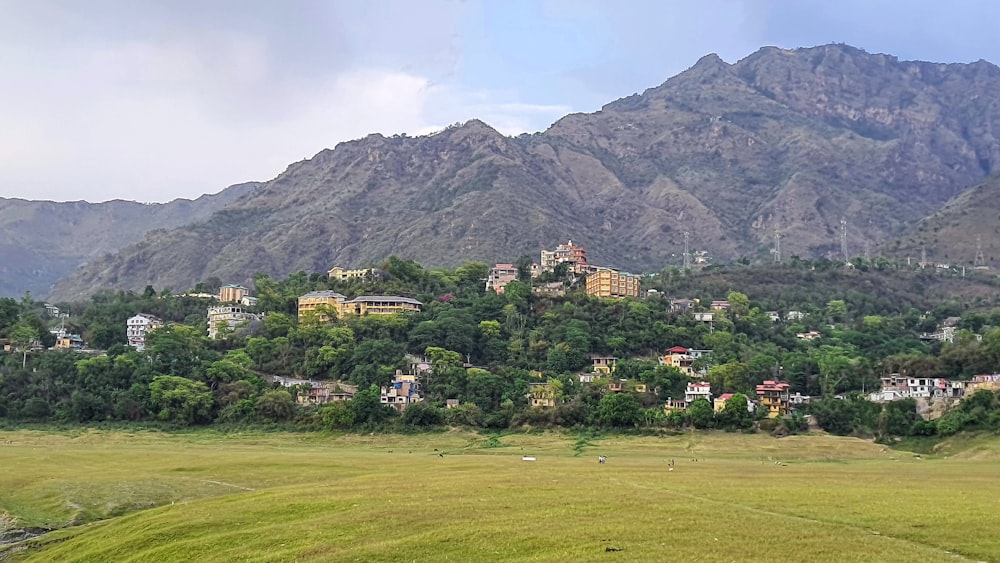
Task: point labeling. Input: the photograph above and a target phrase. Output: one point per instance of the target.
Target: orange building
(609, 284)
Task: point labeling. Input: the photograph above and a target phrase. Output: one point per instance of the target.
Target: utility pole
(777, 247)
(980, 262)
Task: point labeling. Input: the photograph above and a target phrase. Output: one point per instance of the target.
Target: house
(450, 403)
(403, 391)
(323, 393)
(69, 342)
(799, 399)
(541, 395)
(682, 305)
(719, 305)
(698, 390)
(588, 377)
(569, 253)
(232, 293)
(51, 310)
(773, 396)
(137, 327)
(944, 334)
(552, 289)
(811, 335)
(224, 318)
(720, 402)
(704, 317)
(774, 316)
(680, 358)
(794, 316)
(675, 405)
(612, 284)
(500, 276)
(617, 386)
(340, 274)
(605, 364)
(983, 382)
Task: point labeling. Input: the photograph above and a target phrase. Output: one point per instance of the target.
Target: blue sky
(149, 100)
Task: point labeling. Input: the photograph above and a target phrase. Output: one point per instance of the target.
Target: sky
(153, 100)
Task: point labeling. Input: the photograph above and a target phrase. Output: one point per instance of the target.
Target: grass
(253, 497)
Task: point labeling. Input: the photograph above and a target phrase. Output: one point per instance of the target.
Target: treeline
(486, 351)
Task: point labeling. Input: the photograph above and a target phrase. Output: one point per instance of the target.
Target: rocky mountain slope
(43, 241)
(783, 141)
(967, 223)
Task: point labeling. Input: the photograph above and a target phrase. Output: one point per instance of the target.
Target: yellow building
(232, 293)
(321, 302)
(612, 284)
(380, 305)
(340, 274)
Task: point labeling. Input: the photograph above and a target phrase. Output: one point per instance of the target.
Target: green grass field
(205, 496)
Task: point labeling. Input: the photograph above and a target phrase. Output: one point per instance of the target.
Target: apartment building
(612, 284)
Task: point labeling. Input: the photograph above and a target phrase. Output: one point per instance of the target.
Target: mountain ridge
(781, 142)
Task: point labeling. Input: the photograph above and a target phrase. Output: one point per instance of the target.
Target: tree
(619, 409)
(23, 336)
(700, 414)
(180, 400)
(735, 415)
(739, 304)
(276, 405)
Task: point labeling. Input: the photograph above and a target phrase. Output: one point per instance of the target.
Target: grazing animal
(602, 459)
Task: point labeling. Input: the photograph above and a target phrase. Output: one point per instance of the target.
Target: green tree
(700, 414)
(180, 400)
(619, 409)
(276, 405)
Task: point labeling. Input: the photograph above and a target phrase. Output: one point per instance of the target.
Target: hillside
(785, 141)
(951, 235)
(43, 241)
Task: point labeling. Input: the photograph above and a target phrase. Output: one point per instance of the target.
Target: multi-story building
(138, 327)
(227, 317)
(612, 284)
(320, 303)
(604, 364)
(773, 397)
(569, 253)
(380, 305)
(232, 293)
(500, 276)
(698, 390)
(340, 274)
(403, 391)
(679, 357)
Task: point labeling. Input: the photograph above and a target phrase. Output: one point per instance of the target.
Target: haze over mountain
(783, 141)
(43, 241)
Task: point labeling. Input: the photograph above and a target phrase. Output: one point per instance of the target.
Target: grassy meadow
(206, 496)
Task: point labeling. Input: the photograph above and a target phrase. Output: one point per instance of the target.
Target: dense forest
(485, 350)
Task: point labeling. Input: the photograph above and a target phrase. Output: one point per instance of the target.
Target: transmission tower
(868, 251)
(923, 257)
(687, 250)
(777, 247)
(980, 262)
(843, 239)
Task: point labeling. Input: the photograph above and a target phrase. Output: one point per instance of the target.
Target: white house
(138, 327)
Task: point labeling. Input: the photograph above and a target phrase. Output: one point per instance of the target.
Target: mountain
(783, 141)
(43, 241)
(970, 222)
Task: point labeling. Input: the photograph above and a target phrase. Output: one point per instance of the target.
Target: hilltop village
(553, 341)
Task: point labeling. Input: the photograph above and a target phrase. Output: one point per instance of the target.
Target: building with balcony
(225, 318)
(698, 390)
(232, 293)
(612, 284)
(320, 304)
(340, 274)
(402, 392)
(773, 397)
(138, 327)
(500, 275)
